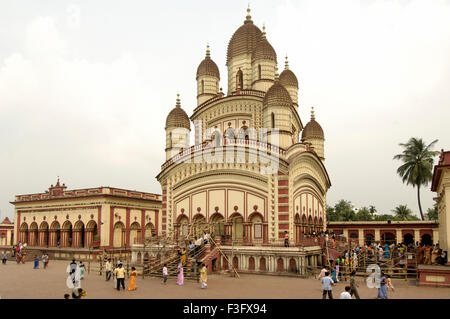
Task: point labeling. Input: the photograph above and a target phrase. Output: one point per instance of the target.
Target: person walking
(180, 279)
(108, 269)
(82, 269)
(382, 291)
(36, 262)
(165, 274)
(133, 276)
(4, 257)
(203, 276)
(119, 273)
(327, 282)
(353, 285)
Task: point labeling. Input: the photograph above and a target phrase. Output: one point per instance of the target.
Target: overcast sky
(85, 86)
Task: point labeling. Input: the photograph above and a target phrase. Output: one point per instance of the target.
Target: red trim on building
(111, 226)
(283, 209)
(283, 217)
(283, 183)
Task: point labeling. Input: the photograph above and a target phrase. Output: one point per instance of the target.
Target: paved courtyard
(22, 281)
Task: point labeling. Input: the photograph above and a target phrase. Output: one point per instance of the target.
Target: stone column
(377, 234)
(345, 232)
(435, 236)
(361, 237)
(398, 236)
(416, 235)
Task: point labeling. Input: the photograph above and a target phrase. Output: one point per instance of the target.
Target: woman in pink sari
(180, 279)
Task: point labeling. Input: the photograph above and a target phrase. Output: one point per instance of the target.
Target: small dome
(277, 95)
(287, 77)
(244, 39)
(178, 117)
(208, 66)
(263, 50)
(312, 129)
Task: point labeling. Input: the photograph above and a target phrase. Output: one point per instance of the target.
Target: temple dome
(208, 67)
(287, 77)
(312, 129)
(264, 50)
(277, 95)
(178, 117)
(244, 39)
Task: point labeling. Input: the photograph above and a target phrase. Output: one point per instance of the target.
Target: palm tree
(402, 212)
(418, 164)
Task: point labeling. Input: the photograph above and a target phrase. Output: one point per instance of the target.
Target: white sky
(85, 86)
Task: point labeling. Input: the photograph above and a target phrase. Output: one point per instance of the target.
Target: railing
(235, 93)
(194, 150)
(304, 242)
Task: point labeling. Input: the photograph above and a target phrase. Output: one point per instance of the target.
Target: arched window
(259, 71)
(273, 120)
(203, 87)
(239, 80)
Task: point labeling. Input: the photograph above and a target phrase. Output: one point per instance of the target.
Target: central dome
(244, 39)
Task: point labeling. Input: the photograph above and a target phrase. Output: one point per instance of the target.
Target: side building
(69, 222)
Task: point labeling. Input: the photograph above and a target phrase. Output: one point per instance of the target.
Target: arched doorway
(262, 264)
(225, 263)
(67, 234)
(237, 227)
(149, 230)
(78, 238)
(43, 234)
(135, 233)
(91, 233)
(408, 239)
(369, 239)
(235, 262)
(198, 223)
(119, 231)
(292, 266)
(280, 265)
(426, 240)
(183, 221)
(33, 234)
(388, 238)
(23, 233)
(251, 264)
(55, 234)
(217, 221)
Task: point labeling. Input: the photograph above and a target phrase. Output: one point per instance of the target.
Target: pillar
(435, 236)
(89, 238)
(345, 233)
(265, 233)
(377, 234)
(361, 238)
(416, 235)
(398, 236)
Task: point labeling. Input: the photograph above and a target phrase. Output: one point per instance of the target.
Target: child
(389, 282)
(346, 293)
(165, 274)
(203, 276)
(36, 262)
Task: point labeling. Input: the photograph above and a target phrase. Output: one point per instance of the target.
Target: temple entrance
(237, 228)
(426, 240)
(408, 239)
(388, 238)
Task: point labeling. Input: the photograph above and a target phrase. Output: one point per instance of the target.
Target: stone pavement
(22, 281)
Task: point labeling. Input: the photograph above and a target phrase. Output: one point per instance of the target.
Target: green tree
(432, 213)
(364, 214)
(417, 158)
(384, 217)
(402, 212)
(331, 214)
(372, 210)
(344, 211)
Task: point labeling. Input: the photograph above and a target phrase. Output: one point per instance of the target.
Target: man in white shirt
(346, 293)
(108, 269)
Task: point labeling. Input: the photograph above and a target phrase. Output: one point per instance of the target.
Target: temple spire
(248, 18)
(178, 100)
(263, 31)
(313, 117)
(207, 51)
(286, 63)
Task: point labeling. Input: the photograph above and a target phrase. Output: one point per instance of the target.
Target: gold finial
(313, 117)
(264, 31)
(286, 63)
(248, 17)
(178, 100)
(207, 50)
